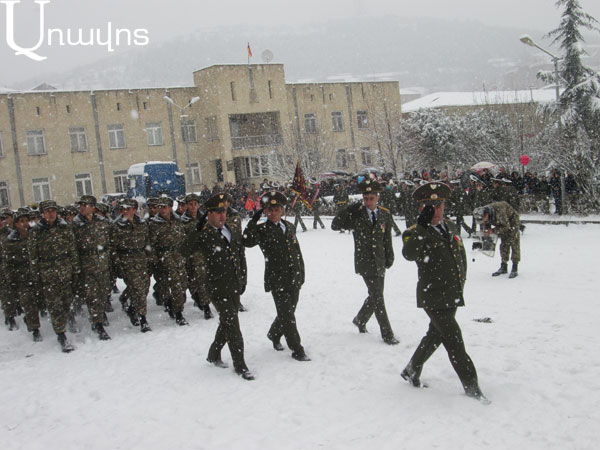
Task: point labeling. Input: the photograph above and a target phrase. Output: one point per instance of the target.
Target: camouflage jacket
(165, 237)
(503, 218)
(15, 258)
(129, 241)
(51, 246)
(92, 239)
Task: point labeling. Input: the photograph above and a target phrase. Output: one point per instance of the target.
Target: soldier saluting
(373, 253)
(435, 245)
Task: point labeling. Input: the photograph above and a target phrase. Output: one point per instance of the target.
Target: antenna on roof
(267, 56)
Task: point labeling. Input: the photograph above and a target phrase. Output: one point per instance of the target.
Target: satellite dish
(267, 56)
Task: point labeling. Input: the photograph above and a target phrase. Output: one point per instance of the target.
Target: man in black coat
(284, 269)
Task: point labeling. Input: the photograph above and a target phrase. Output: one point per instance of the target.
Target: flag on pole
(249, 51)
(299, 186)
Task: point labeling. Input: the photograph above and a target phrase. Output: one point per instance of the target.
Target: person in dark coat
(373, 253)
(435, 245)
(284, 269)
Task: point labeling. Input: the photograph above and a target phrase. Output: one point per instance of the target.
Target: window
(337, 120)
(37, 111)
(83, 184)
(310, 123)
(270, 89)
(154, 133)
(145, 105)
(118, 107)
(256, 166)
(330, 97)
(212, 132)
(366, 156)
(4, 197)
(121, 182)
(363, 119)
(232, 85)
(68, 109)
(116, 136)
(341, 160)
(35, 142)
(78, 139)
(196, 173)
(1, 146)
(41, 189)
(188, 131)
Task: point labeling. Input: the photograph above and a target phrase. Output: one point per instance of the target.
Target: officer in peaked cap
(273, 198)
(216, 202)
(432, 193)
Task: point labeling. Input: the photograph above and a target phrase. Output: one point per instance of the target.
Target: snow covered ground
(538, 361)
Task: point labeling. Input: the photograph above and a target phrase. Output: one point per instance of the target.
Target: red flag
(299, 186)
(249, 51)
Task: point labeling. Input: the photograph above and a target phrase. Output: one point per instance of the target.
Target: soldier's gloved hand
(426, 215)
(354, 208)
(202, 221)
(256, 215)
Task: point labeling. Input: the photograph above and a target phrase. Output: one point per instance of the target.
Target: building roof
(448, 99)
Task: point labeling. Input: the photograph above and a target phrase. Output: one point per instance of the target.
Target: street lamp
(182, 116)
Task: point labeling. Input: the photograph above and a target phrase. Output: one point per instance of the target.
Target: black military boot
(410, 374)
(157, 298)
(102, 334)
(196, 299)
(362, 328)
(72, 324)
(144, 327)
(207, 312)
(300, 356)
(168, 304)
(475, 392)
(123, 301)
(502, 270)
(180, 320)
(133, 316)
(276, 342)
(514, 272)
(64, 344)
(109, 306)
(115, 289)
(11, 323)
(37, 336)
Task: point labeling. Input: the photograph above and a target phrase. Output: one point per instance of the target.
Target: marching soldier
(284, 269)
(387, 198)
(434, 244)
(502, 219)
(9, 305)
(92, 239)
(54, 266)
(373, 253)
(234, 221)
(316, 205)
(223, 253)
(130, 254)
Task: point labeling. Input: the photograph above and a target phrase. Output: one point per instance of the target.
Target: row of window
(337, 120)
(343, 158)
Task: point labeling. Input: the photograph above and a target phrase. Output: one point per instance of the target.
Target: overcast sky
(166, 19)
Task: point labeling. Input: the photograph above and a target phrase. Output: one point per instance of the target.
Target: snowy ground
(539, 363)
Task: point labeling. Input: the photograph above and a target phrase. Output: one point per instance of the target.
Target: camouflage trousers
(58, 292)
(510, 246)
(9, 302)
(174, 280)
(94, 290)
(196, 278)
(136, 278)
(24, 292)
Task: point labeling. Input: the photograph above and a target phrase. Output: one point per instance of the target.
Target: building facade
(238, 123)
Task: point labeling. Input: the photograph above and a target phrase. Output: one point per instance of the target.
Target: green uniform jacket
(129, 243)
(284, 266)
(14, 259)
(373, 251)
(165, 237)
(504, 218)
(442, 265)
(225, 264)
(92, 239)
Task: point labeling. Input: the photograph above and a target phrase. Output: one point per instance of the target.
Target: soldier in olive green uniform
(92, 239)
(438, 250)
(166, 233)
(373, 253)
(234, 221)
(54, 266)
(9, 304)
(297, 209)
(284, 269)
(407, 205)
(502, 219)
(316, 206)
(131, 254)
(223, 253)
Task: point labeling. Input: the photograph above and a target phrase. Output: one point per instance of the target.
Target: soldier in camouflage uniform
(223, 253)
(433, 243)
(54, 266)
(131, 254)
(15, 265)
(502, 219)
(92, 239)
(479, 195)
(297, 210)
(373, 253)
(158, 288)
(387, 198)
(316, 206)
(406, 204)
(103, 210)
(166, 233)
(9, 302)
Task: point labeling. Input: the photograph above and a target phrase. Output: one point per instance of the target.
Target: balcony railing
(264, 140)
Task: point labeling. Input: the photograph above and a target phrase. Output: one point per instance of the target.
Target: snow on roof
(441, 99)
(139, 168)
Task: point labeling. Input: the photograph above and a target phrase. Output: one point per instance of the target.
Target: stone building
(237, 123)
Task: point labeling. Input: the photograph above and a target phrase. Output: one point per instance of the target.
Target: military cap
(71, 210)
(21, 212)
(152, 201)
(48, 204)
(34, 214)
(217, 201)
(191, 197)
(431, 192)
(164, 201)
(6, 212)
(87, 199)
(181, 199)
(273, 198)
(102, 207)
(128, 203)
(369, 187)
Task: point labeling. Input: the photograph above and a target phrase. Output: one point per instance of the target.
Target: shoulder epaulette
(383, 208)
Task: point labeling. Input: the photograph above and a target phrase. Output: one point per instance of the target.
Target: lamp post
(528, 40)
(182, 117)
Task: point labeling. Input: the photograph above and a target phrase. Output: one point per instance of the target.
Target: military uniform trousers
(23, 291)
(9, 302)
(135, 275)
(57, 289)
(299, 219)
(196, 278)
(374, 303)
(171, 266)
(443, 329)
(317, 217)
(95, 287)
(228, 332)
(285, 322)
(510, 246)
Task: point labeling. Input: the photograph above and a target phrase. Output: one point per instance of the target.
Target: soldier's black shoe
(391, 340)
(276, 343)
(109, 306)
(37, 336)
(242, 308)
(501, 271)
(168, 307)
(217, 363)
(514, 272)
(245, 374)
(411, 376)
(115, 289)
(43, 312)
(64, 344)
(11, 323)
(72, 324)
(300, 356)
(207, 312)
(476, 393)
(159, 301)
(102, 334)
(180, 320)
(398, 233)
(133, 316)
(123, 301)
(144, 327)
(362, 328)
